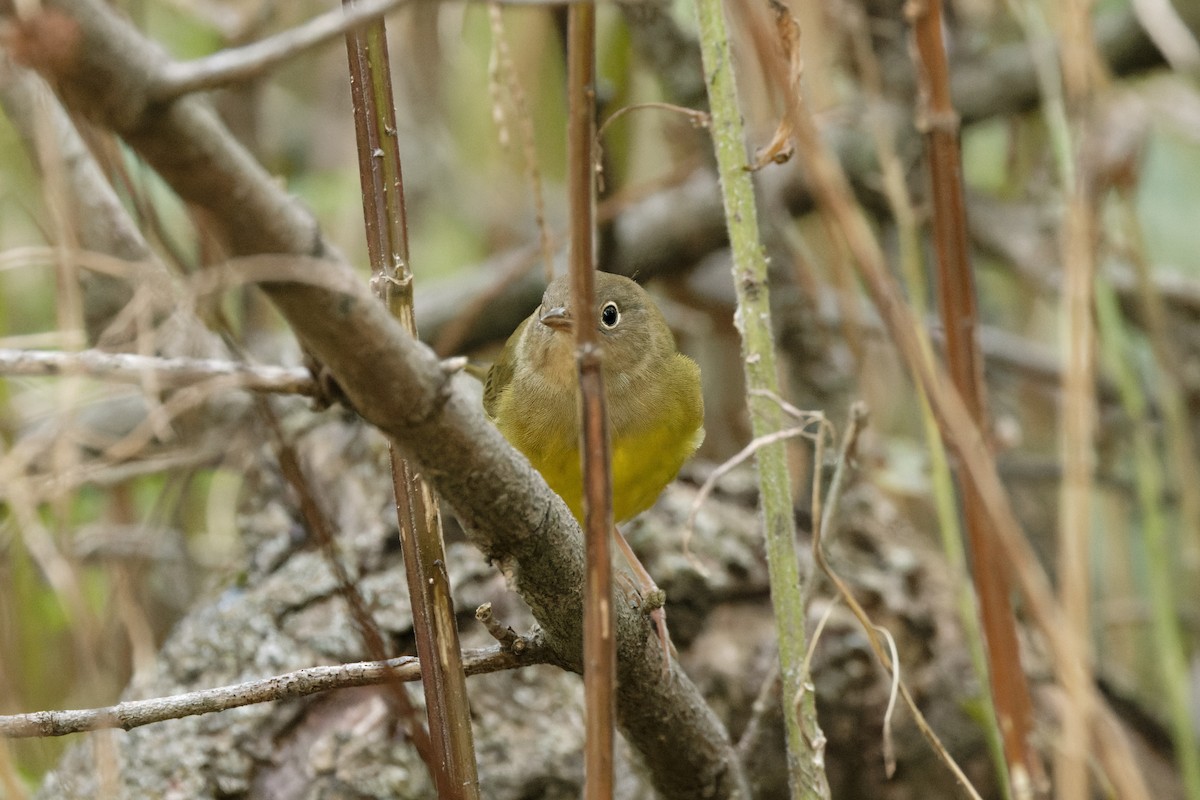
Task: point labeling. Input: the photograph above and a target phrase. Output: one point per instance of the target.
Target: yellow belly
(654, 428)
(642, 465)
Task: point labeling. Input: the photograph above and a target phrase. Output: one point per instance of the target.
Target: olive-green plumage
(655, 408)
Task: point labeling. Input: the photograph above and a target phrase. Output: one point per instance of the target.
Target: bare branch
(301, 683)
(237, 64)
(169, 373)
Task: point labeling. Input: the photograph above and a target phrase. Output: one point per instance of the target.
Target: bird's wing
(501, 373)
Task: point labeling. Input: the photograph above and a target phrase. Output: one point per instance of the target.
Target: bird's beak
(557, 318)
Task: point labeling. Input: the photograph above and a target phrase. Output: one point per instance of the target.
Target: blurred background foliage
(100, 554)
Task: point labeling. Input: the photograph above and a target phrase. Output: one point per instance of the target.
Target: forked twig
(756, 444)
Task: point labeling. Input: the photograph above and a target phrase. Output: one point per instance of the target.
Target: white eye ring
(610, 315)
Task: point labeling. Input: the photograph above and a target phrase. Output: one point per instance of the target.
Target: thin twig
(510, 640)
(765, 702)
(699, 119)
(1170, 34)
(710, 483)
(290, 685)
(238, 64)
(1067, 116)
(912, 268)
(816, 636)
(1160, 553)
(170, 373)
(320, 527)
(889, 745)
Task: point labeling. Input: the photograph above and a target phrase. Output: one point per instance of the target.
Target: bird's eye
(610, 315)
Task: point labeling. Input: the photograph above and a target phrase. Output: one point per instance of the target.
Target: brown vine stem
(599, 643)
(960, 318)
(434, 626)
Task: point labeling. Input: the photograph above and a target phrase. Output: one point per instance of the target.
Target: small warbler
(655, 407)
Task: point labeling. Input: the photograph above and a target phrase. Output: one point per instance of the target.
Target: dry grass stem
(938, 119)
(503, 71)
(889, 745)
(699, 119)
(886, 657)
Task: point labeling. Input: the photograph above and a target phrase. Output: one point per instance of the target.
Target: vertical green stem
(1169, 645)
(804, 737)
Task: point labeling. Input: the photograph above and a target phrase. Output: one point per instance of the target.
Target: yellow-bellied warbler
(655, 407)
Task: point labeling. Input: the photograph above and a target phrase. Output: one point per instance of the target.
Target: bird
(653, 393)
(655, 406)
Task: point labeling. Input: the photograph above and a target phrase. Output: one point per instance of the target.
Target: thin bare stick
(1077, 429)
(817, 631)
(710, 483)
(699, 119)
(237, 64)
(599, 642)
(320, 527)
(1170, 34)
(510, 640)
(912, 268)
(765, 702)
(1181, 447)
(170, 373)
(290, 685)
(1071, 770)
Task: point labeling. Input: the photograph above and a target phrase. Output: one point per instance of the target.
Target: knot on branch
(85, 64)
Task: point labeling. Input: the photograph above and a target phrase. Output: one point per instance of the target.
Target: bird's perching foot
(653, 598)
